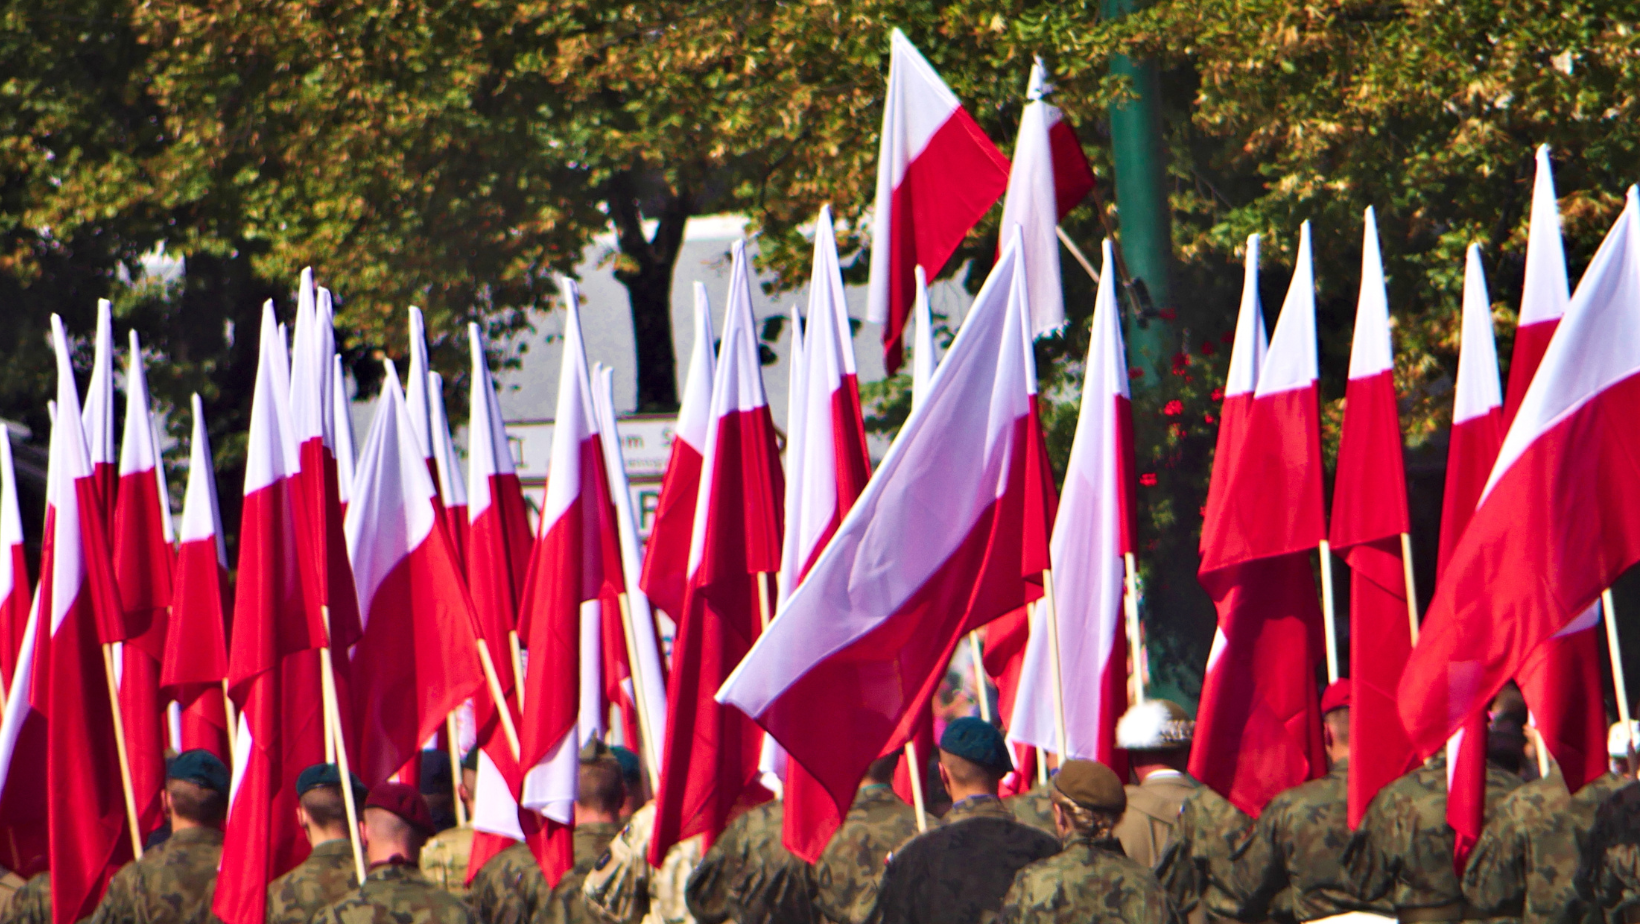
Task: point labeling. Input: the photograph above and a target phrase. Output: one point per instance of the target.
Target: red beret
(404, 801)
(1336, 696)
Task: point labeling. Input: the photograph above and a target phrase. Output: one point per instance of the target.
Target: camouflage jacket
(1402, 850)
(10, 883)
(623, 888)
(750, 877)
(395, 893)
(444, 860)
(173, 883)
(1607, 882)
(1299, 842)
(1153, 808)
(850, 869)
(1195, 869)
(565, 904)
(960, 870)
(1033, 807)
(325, 877)
(509, 888)
(32, 903)
(1088, 882)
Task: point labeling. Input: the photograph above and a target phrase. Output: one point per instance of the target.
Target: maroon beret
(404, 801)
(1336, 696)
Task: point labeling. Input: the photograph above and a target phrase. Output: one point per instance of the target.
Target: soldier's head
(973, 758)
(632, 777)
(1156, 734)
(1335, 720)
(469, 779)
(320, 811)
(600, 790)
(881, 770)
(438, 788)
(1088, 799)
(395, 824)
(196, 790)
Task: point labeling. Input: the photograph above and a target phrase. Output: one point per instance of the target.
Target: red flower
(1167, 314)
(1136, 373)
(1209, 418)
(1217, 395)
(1207, 348)
(1173, 408)
(1148, 479)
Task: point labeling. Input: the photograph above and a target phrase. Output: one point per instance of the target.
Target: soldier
(328, 873)
(175, 882)
(1300, 837)
(598, 801)
(1034, 807)
(438, 787)
(1195, 869)
(750, 877)
(624, 889)
(848, 872)
(960, 870)
(1089, 880)
(1156, 734)
(395, 825)
(32, 903)
(10, 883)
(444, 859)
(632, 777)
(1607, 881)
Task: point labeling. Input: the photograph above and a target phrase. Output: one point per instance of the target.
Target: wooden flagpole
(1053, 663)
(1619, 684)
(1412, 587)
(978, 655)
(454, 747)
(517, 651)
(328, 679)
(647, 745)
(233, 722)
(119, 746)
(1130, 604)
(1328, 620)
(493, 681)
(1077, 253)
(915, 771)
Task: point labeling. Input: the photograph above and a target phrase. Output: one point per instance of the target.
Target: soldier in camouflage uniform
(624, 889)
(1195, 870)
(851, 867)
(960, 870)
(1034, 807)
(174, 882)
(1300, 836)
(749, 876)
(10, 883)
(327, 874)
(444, 859)
(32, 903)
(1607, 881)
(395, 825)
(1090, 881)
(1156, 734)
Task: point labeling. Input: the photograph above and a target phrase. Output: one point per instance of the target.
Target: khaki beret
(1090, 784)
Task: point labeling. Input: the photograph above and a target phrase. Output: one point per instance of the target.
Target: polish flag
(196, 648)
(666, 556)
(925, 357)
(15, 597)
(1369, 516)
(950, 533)
(1092, 532)
(1050, 176)
(98, 414)
(416, 661)
(143, 562)
(709, 764)
(937, 174)
(1240, 381)
(452, 489)
(1545, 293)
(1258, 728)
(273, 666)
(576, 560)
(342, 421)
(1556, 523)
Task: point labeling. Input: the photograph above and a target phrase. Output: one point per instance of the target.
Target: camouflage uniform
(750, 877)
(961, 869)
(1299, 842)
(32, 903)
(1033, 807)
(325, 877)
(173, 883)
(509, 888)
(444, 860)
(1402, 851)
(847, 875)
(624, 889)
(566, 904)
(1195, 870)
(1608, 873)
(1088, 882)
(1153, 808)
(396, 893)
(9, 884)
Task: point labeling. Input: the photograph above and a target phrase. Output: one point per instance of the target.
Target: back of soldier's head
(1509, 704)
(325, 808)
(601, 788)
(968, 774)
(198, 804)
(882, 769)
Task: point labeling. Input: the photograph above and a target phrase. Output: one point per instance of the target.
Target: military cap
(1090, 784)
(402, 800)
(1154, 725)
(1336, 696)
(200, 767)
(630, 768)
(435, 771)
(328, 775)
(979, 741)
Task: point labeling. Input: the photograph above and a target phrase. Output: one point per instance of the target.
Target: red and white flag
(1559, 518)
(666, 555)
(710, 757)
(925, 356)
(15, 587)
(1545, 293)
(452, 488)
(143, 562)
(416, 661)
(1049, 176)
(950, 533)
(937, 174)
(1240, 381)
(342, 424)
(1092, 532)
(1369, 516)
(98, 413)
(196, 648)
(273, 672)
(1258, 728)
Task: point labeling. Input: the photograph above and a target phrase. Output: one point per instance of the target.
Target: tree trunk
(646, 272)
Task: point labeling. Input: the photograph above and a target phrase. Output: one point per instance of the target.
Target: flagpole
(1041, 767)
(125, 761)
(454, 747)
(1412, 587)
(1053, 663)
(517, 665)
(1077, 253)
(1130, 601)
(233, 722)
(1619, 684)
(327, 696)
(763, 598)
(914, 766)
(647, 745)
(328, 680)
(494, 682)
(979, 676)
(1542, 751)
(1327, 619)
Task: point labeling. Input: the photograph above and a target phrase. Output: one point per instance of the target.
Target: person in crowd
(851, 867)
(1196, 868)
(1156, 734)
(328, 873)
(395, 825)
(749, 877)
(444, 859)
(175, 882)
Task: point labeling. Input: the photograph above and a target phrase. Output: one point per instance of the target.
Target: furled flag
(452, 489)
(1477, 432)
(576, 560)
(1092, 532)
(416, 661)
(925, 356)
(666, 556)
(1258, 728)
(15, 586)
(937, 174)
(710, 757)
(1558, 519)
(1050, 175)
(196, 648)
(273, 666)
(950, 533)
(143, 561)
(1240, 381)
(98, 414)
(1545, 293)
(342, 418)
(1369, 516)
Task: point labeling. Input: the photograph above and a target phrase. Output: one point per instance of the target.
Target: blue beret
(628, 762)
(201, 768)
(329, 775)
(979, 741)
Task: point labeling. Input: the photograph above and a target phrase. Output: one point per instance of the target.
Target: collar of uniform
(394, 867)
(1085, 839)
(195, 836)
(335, 847)
(1164, 775)
(1340, 767)
(984, 805)
(598, 829)
(875, 792)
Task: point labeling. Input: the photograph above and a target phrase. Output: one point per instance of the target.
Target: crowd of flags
(380, 595)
